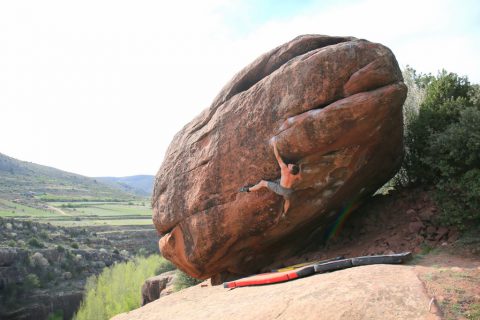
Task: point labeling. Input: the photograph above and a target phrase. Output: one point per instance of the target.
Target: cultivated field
(75, 214)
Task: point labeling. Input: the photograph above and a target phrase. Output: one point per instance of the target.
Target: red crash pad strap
(271, 277)
(265, 278)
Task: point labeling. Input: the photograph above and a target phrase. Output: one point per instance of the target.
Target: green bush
(459, 200)
(456, 150)
(57, 315)
(118, 289)
(442, 144)
(446, 98)
(183, 280)
(35, 243)
(43, 235)
(31, 281)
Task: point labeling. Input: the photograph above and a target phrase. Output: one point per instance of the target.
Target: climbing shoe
(245, 189)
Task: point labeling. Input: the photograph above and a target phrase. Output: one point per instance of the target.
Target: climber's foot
(245, 189)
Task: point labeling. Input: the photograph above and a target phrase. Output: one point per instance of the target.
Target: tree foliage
(118, 289)
(442, 142)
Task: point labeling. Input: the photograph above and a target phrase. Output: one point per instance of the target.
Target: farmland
(80, 213)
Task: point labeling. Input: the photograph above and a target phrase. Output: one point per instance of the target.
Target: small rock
(442, 232)
(8, 256)
(453, 236)
(431, 229)
(13, 234)
(67, 275)
(425, 215)
(456, 269)
(419, 239)
(444, 244)
(411, 212)
(415, 226)
(9, 226)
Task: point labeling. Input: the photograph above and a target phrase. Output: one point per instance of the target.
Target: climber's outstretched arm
(282, 164)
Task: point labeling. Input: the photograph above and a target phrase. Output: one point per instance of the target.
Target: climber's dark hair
(295, 169)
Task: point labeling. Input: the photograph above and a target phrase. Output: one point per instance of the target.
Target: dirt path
(60, 211)
(369, 292)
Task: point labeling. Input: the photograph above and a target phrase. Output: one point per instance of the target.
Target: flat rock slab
(368, 292)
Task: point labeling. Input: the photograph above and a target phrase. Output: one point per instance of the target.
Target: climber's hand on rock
(273, 141)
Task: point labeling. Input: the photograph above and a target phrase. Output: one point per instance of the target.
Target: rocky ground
(43, 268)
(441, 282)
(427, 289)
(406, 220)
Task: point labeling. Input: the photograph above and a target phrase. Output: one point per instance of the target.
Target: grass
(457, 292)
(117, 222)
(12, 209)
(426, 250)
(107, 209)
(474, 312)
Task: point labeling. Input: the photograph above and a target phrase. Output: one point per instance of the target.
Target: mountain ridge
(20, 178)
(141, 185)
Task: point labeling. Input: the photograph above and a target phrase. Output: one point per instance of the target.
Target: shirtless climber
(289, 174)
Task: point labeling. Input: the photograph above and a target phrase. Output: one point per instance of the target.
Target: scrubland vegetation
(442, 144)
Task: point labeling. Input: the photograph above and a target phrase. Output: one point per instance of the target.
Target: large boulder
(334, 105)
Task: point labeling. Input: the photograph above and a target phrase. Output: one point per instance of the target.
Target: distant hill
(141, 185)
(29, 180)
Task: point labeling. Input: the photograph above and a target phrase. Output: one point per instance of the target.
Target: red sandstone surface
(335, 106)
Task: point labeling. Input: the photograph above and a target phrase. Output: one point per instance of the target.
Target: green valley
(29, 191)
(59, 228)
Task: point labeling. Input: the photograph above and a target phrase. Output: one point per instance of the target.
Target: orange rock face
(335, 106)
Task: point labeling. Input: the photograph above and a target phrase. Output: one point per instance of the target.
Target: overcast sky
(99, 88)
